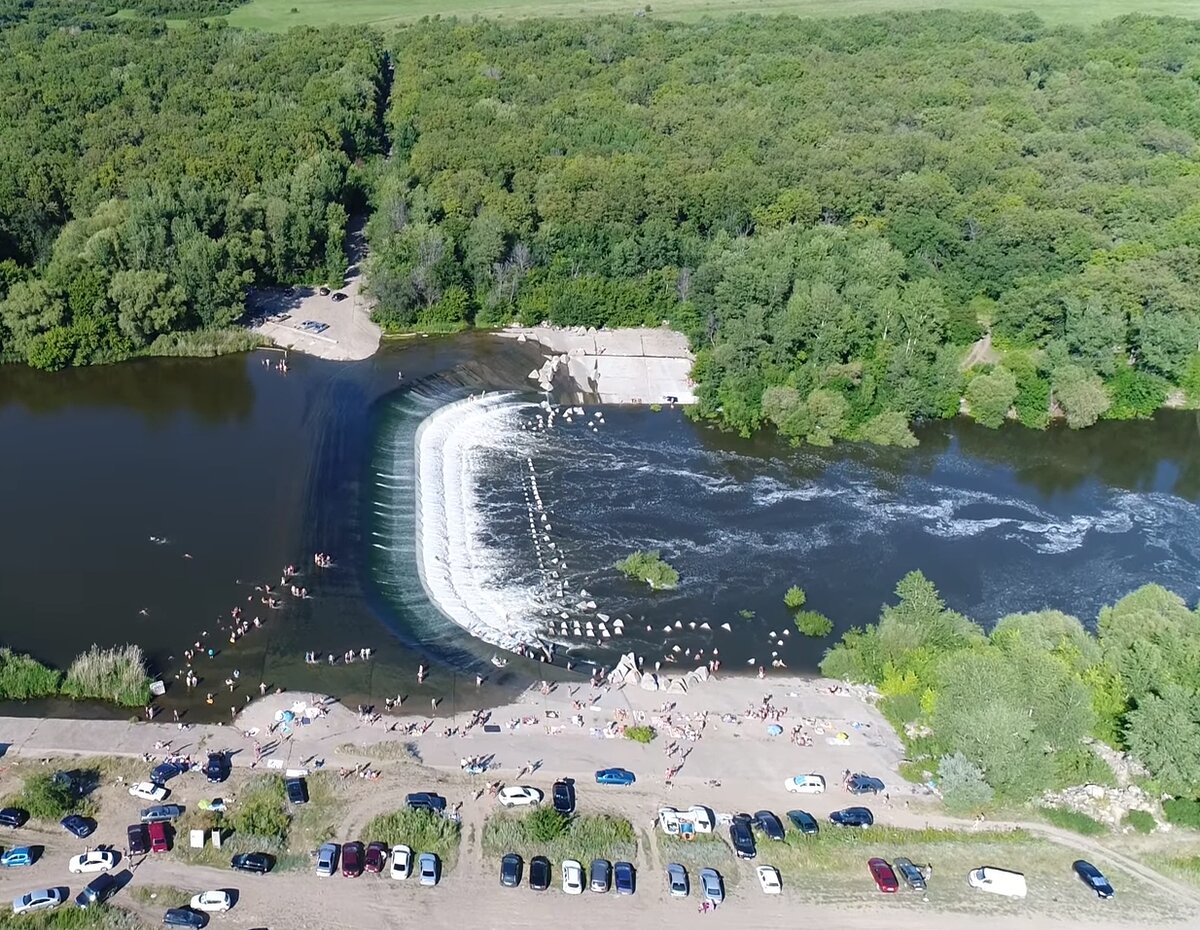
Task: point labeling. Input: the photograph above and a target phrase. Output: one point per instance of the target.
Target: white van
(997, 881)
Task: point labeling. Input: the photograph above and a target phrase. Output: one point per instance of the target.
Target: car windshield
(1097, 880)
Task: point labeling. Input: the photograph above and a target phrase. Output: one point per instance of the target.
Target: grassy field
(279, 15)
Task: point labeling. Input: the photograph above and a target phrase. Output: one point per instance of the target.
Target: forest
(150, 177)
(832, 210)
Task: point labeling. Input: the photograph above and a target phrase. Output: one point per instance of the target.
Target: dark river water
(244, 470)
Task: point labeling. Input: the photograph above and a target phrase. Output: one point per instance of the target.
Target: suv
(852, 817)
(139, 839)
(13, 817)
(216, 769)
(426, 800)
(564, 797)
(97, 891)
(260, 863)
(297, 790)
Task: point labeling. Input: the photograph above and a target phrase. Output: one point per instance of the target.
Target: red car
(352, 859)
(376, 853)
(159, 841)
(885, 878)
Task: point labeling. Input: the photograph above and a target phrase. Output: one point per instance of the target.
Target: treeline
(149, 176)
(833, 210)
(1004, 715)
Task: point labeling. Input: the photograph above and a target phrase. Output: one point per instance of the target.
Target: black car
(165, 771)
(510, 870)
(216, 769)
(852, 817)
(742, 837)
(1093, 878)
(769, 824)
(338, 295)
(259, 863)
(72, 781)
(138, 835)
(624, 878)
(863, 784)
(564, 796)
(98, 890)
(13, 817)
(78, 825)
(297, 790)
(539, 873)
(185, 917)
(426, 800)
(805, 822)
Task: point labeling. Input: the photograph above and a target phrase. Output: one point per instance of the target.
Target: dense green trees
(1015, 705)
(148, 176)
(832, 209)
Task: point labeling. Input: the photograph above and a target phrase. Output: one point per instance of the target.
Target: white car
(212, 902)
(98, 860)
(768, 878)
(38, 900)
(572, 877)
(401, 862)
(519, 796)
(149, 791)
(805, 784)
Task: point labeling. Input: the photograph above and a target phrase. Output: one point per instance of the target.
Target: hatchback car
(711, 886)
(428, 868)
(78, 825)
(212, 902)
(327, 858)
(564, 797)
(426, 800)
(217, 768)
(352, 859)
(913, 877)
(572, 877)
(852, 817)
(624, 878)
(863, 784)
(161, 812)
(13, 817)
(539, 873)
(600, 876)
(97, 891)
(297, 790)
(615, 777)
(160, 841)
(519, 796)
(375, 857)
(94, 860)
(259, 863)
(139, 839)
(769, 824)
(510, 870)
(402, 859)
(805, 822)
(742, 838)
(184, 917)
(805, 784)
(677, 881)
(18, 856)
(40, 900)
(1093, 878)
(885, 877)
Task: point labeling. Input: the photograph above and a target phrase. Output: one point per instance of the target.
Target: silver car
(677, 880)
(712, 886)
(913, 877)
(40, 900)
(327, 858)
(428, 868)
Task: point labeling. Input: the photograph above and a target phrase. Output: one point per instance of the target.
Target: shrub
(260, 811)
(648, 567)
(1140, 821)
(117, 675)
(889, 428)
(46, 799)
(584, 837)
(795, 597)
(1074, 821)
(1081, 394)
(545, 824)
(1182, 812)
(811, 623)
(22, 677)
(1135, 395)
(424, 831)
(641, 734)
(990, 396)
(962, 784)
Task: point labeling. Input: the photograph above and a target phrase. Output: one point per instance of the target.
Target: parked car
(1093, 878)
(677, 881)
(338, 295)
(998, 881)
(97, 891)
(139, 839)
(805, 784)
(217, 768)
(852, 817)
(402, 861)
(539, 873)
(184, 917)
(572, 877)
(564, 796)
(259, 863)
(165, 771)
(41, 900)
(161, 812)
(18, 856)
(13, 817)
(352, 859)
(327, 859)
(375, 858)
(615, 777)
(624, 878)
(72, 781)
(742, 838)
(885, 878)
(426, 800)
(212, 902)
(510, 870)
(429, 868)
(768, 879)
(149, 791)
(711, 886)
(863, 784)
(600, 876)
(805, 822)
(519, 796)
(78, 825)
(94, 860)
(297, 790)
(323, 291)
(159, 840)
(769, 824)
(913, 877)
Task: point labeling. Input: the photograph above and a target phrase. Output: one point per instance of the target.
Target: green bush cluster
(117, 675)
(1074, 821)
(422, 830)
(47, 799)
(23, 677)
(1140, 821)
(1182, 812)
(641, 734)
(543, 831)
(650, 568)
(261, 811)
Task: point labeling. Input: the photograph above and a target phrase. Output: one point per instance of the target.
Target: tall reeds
(117, 675)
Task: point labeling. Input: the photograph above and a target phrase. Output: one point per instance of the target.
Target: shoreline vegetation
(116, 675)
(648, 566)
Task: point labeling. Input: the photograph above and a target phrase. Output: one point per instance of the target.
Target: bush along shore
(117, 675)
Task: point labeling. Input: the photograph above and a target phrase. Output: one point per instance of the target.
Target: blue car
(78, 826)
(164, 772)
(1093, 878)
(615, 777)
(18, 855)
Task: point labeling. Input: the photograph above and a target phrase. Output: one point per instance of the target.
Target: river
(243, 469)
